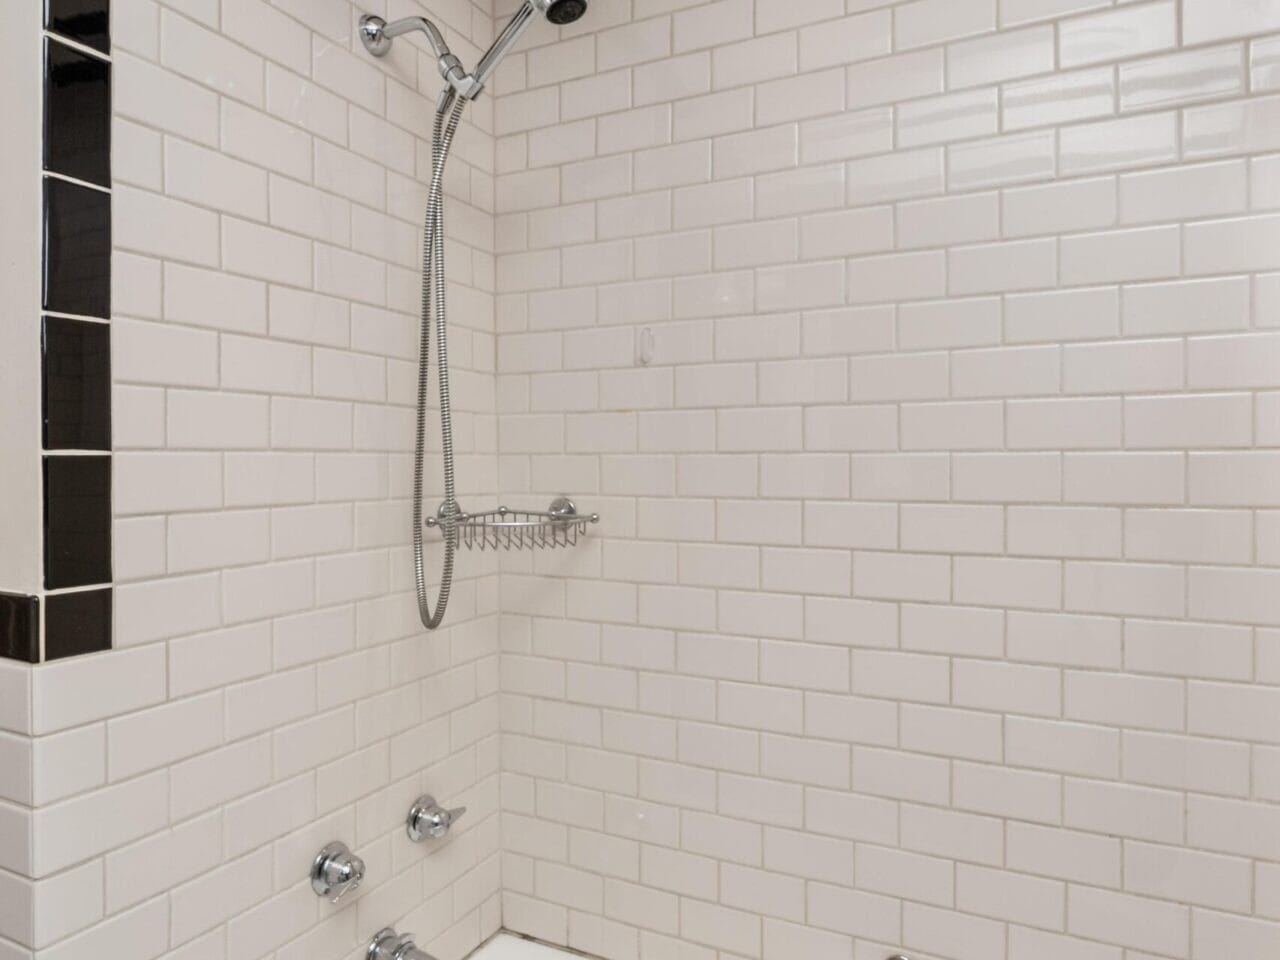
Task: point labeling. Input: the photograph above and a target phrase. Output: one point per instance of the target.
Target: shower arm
(377, 35)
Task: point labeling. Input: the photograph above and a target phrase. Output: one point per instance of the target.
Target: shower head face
(561, 12)
(558, 12)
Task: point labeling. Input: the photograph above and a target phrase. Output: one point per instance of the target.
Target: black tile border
(77, 623)
(77, 521)
(84, 21)
(77, 248)
(77, 113)
(75, 384)
(20, 627)
(74, 614)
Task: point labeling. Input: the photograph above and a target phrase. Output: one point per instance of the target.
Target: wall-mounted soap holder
(507, 529)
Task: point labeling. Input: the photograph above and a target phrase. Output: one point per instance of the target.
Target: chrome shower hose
(433, 300)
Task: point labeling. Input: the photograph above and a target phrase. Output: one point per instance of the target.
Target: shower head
(376, 34)
(561, 12)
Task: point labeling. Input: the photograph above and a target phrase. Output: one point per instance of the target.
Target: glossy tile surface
(87, 21)
(77, 521)
(1181, 78)
(933, 608)
(77, 249)
(77, 623)
(77, 114)
(1001, 427)
(19, 627)
(77, 385)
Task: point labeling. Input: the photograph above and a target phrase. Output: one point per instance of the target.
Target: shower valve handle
(335, 872)
(428, 820)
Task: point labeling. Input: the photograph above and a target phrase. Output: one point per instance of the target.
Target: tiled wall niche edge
(21, 64)
(73, 403)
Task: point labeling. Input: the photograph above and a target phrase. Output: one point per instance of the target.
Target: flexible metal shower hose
(433, 300)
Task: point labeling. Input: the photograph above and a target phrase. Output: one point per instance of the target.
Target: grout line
(76, 45)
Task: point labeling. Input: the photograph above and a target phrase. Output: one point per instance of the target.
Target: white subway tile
(956, 116)
(152, 95)
(1129, 921)
(1149, 254)
(1241, 126)
(932, 21)
(1118, 144)
(1204, 20)
(1059, 98)
(1123, 33)
(1001, 161)
(848, 40)
(752, 61)
(890, 79)
(1003, 56)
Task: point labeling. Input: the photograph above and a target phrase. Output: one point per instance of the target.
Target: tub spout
(389, 945)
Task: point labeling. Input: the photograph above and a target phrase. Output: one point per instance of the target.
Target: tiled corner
(20, 627)
(76, 623)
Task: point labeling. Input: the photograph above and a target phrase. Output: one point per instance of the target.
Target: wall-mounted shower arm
(376, 34)
(378, 31)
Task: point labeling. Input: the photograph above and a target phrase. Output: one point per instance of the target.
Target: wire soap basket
(506, 529)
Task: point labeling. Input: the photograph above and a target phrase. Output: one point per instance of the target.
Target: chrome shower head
(558, 12)
(561, 12)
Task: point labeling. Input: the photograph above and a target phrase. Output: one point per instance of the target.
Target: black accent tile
(20, 627)
(76, 623)
(76, 385)
(77, 114)
(87, 21)
(77, 521)
(77, 249)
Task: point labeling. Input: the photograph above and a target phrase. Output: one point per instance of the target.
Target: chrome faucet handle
(389, 945)
(336, 871)
(428, 820)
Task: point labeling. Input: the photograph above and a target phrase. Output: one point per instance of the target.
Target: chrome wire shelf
(506, 529)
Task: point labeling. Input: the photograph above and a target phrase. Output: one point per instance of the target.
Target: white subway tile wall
(934, 603)
(271, 689)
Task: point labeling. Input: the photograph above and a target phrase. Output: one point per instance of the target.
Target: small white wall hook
(644, 346)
